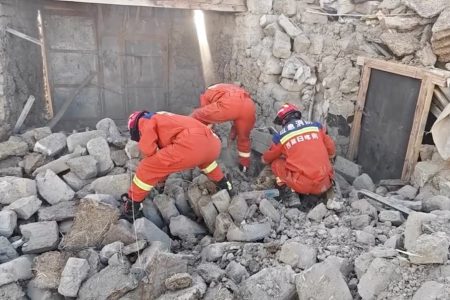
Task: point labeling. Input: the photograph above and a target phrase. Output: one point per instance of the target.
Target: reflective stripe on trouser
(213, 171)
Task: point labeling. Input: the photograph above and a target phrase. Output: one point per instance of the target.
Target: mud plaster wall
(20, 65)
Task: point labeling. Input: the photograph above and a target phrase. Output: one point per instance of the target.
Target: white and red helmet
(133, 124)
(285, 111)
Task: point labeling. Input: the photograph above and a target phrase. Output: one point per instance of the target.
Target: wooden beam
(23, 115)
(23, 36)
(436, 111)
(46, 81)
(386, 201)
(218, 5)
(440, 98)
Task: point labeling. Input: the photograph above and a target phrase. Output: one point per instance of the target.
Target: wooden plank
(23, 36)
(386, 201)
(69, 100)
(359, 108)
(23, 115)
(436, 111)
(227, 6)
(418, 128)
(46, 83)
(440, 98)
(405, 70)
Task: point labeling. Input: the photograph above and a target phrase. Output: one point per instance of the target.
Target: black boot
(225, 184)
(289, 197)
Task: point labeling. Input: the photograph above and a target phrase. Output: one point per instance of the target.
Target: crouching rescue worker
(300, 156)
(228, 102)
(170, 143)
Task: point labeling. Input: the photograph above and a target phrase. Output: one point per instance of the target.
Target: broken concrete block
(343, 264)
(424, 171)
(413, 228)
(287, 7)
(430, 290)
(364, 182)
(408, 192)
(301, 43)
(298, 255)
(40, 236)
(132, 149)
(223, 223)
(47, 268)
(365, 238)
(35, 293)
(248, 232)
(82, 138)
(119, 157)
(8, 222)
(238, 208)
(182, 227)
(221, 200)
(210, 272)
(376, 279)
(166, 207)
(196, 291)
(364, 207)
(99, 149)
(393, 216)
(281, 45)
(431, 249)
(111, 282)
(13, 148)
(291, 29)
(93, 259)
(120, 231)
(318, 213)
(11, 291)
(362, 263)
(141, 267)
(278, 281)
(178, 281)
(52, 188)
(16, 269)
(110, 249)
(436, 203)
(215, 251)
(259, 6)
(427, 9)
(208, 212)
(359, 222)
(267, 19)
(25, 207)
(57, 166)
(151, 212)
(85, 167)
(36, 134)
(51, 145)
(75, 271)
(113, 135)
(75, 182)
(12, 171)
(148, 231)
(7, 251)
(58, 212)
(14, 188)
(348, 169)
(269, 210)
(114, 185)
(103, 198)
(236, 272)
(134, 247)
(336, 287)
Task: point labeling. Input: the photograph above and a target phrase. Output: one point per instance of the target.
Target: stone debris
(298, 255)
(75, 271)
(39, 236)
(114, 185)
(269, 210)
(82, 138)
(14, 188)
(210, 272)
(318, 213)
(13, 148)
(16, 269)
(85, 167)
(51, 145)
(52, 188)
(8, 222)
(183, 227)
(58, 212)
(431, 290)
(25, 207)
(148, 231)
(376, 278)
(364, 181)
(178, 281)
(248, 232)
(7, 251)
(99, 149)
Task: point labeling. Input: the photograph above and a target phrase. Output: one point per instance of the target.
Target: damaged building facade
(72, 71)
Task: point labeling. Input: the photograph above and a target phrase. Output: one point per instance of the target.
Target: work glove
(128, 208)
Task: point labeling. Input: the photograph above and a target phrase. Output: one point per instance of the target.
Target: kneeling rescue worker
(228, 102)
(170, 143)
(300, 156)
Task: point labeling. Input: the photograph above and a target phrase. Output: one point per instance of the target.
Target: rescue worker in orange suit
(227, 102)
(170, 143)
(300, 156)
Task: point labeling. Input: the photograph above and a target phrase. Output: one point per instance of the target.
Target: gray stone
(287, 7)
(301, 43)
(210, 272)
(215, 251)
(141, 267)
(166, 207)
(13, 148)
(238, 208)
(36, 293)
(8, 222)
(364, 207)
(267, 19)
(248, 232)
(82, 138)
(178, 281)
(343, 264)
(14, 188)
(65, 226)
(110, 249)
(401, 23)
(345, 6)
(278, 283)
(393, 216)
(51, 145)
(431, 249)
(365, 238)
(221, 201)
(11, 291)
(236, 272)
(408, 192)
(183, 227)
(291, 29)
(393, 242)
(318, 213)
(271, 29)
(427, 9)
(364, 181)
(113, 135)
(112, 281)
(281, 45)
(223, 223)
(99, 149)
(114, 185)
(7, 251)
(333, 287)
(121, 231)
(75, 182)
(400, 44)
(362, 263)
(58, 212)
(132, 149)
(436, 203)
(151, 212)
(75, 271)
(208, 212)
(359, 222)
(118, 259)
(430, 290)
(348, 169)
(39, 237)
(16, 269)
(93, 259)
(52, 188)
(85, 167)
(119, 157)
(103, 198)
(12, 171)
(259, 6)
(390, 4)
(196, 291)
(413, 228)
(269, 210)
(25, 207)
(150, 232)
(377, 278)
(59, 165)
(298, 255)
(36, 134)
(366, 7)
(134, 247)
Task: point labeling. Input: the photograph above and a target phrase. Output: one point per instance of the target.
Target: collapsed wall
(284, 51)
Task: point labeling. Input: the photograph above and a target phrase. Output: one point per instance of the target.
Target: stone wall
(284, 52)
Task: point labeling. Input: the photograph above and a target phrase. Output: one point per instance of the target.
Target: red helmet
(286, 110)
(133, 124)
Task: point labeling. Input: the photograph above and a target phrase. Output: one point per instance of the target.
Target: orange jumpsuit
(172, 143)
(228, 102)
(306, 166)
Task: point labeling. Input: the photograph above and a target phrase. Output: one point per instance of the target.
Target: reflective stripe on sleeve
(142, 185)
(210, 168)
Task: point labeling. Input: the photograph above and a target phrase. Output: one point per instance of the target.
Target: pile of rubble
(61, 236)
